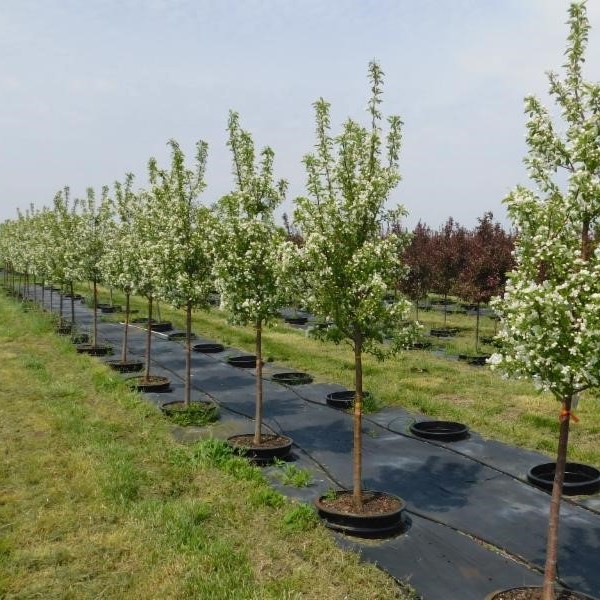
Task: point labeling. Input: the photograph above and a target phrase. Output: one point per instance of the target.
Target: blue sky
(90, 89)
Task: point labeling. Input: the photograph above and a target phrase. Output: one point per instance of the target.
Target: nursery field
(430, 382)
(97, 500)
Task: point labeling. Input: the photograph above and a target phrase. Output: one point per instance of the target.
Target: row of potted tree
(345, 267)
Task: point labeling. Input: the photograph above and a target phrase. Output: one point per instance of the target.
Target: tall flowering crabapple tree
(186, 238)
(248, 245)
(120, 263)
(551, 308)
(148, 278)
(347, 264)
(62, 239)
(94, 228)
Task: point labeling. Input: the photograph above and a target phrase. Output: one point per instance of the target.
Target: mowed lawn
(98, 501)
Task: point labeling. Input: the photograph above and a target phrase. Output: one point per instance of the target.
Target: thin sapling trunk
(477, 330)
(126, 330)
(259, 385)
(445, 309)
(557, 488)
(148, 340)
(188, 354)
(72, 306)
(357, 419)
(95, 317)
(60, 310)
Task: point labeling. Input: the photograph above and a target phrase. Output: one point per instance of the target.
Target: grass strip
(98, 501)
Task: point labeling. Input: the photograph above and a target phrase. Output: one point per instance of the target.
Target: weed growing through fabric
(291, 475)
(197, 414)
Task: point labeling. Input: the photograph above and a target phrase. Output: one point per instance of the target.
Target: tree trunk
(445, 309)
(259, 384)
(557, 487)
(60, 303)
(188, 354)
(95, 316)
(43, 295)
(72, 307)
(51, 296)
(126, 330)
(417, 310)
(477, 330)
(357, 446)
(148, 340)
(34, 290)
(110, 295)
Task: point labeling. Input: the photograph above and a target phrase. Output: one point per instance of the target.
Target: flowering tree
(488, 260)
(551, 308)
(186, 238)
(147, 279)
(120, 262)
(248, 244)
(348, 265)
(94, 228)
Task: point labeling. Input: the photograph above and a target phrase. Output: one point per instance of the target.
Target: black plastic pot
(93, 350)
(244, 362)
(296, 320)
(579, 478)
(343, 399)
(179, 336)
(80, 338)
(64, 329)
(443, 332)
(378, 525)
(110, 309)
(420, 345)
(263, 454)
(129, 366)
(477, 360)
(103, 306)
(567, 593)
(208, 348)
(142, 320)
(443, 431)
(292, 378)
(155, 384)
(161, 326)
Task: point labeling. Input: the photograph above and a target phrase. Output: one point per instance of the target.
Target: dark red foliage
(449, 256)
(418, 256)
(488, 254)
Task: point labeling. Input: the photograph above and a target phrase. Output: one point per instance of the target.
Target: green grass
(98, 501)
(506, 410)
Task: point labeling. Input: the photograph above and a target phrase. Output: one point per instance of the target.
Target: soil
(373, 504)
(266, 441)
(535, 594)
